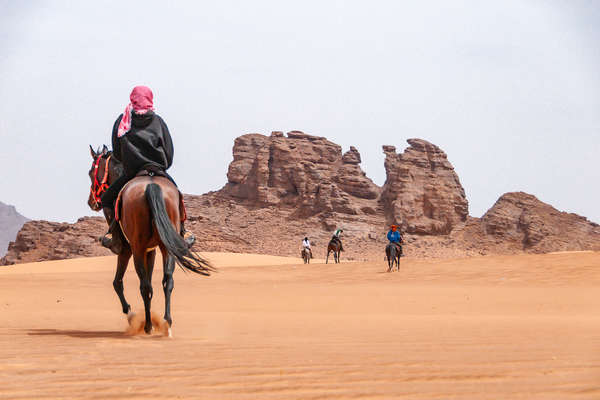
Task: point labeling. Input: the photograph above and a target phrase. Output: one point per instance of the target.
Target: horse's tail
(171, 238)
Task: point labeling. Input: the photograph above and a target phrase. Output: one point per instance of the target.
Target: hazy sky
(509, 89)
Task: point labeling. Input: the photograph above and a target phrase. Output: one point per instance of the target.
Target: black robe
(147, 145)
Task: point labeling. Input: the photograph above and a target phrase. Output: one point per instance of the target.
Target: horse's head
(104, 171)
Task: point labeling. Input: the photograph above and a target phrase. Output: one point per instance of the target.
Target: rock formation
(422, 192)
(43, 241)
(282, 188)
(10, 224)
(301, 171)
(521, 218)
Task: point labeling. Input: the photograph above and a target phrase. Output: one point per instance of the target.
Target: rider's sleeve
(167, 143)
(389, 236)
(115, 140)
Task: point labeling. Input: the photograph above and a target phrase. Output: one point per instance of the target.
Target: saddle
(182, 212)
(336, 239)
(398, 246)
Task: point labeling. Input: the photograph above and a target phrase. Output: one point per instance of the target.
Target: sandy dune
(511, 327)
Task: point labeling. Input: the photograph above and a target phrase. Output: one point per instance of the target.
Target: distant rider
(306, 245)
(394, 237)
(336, 238)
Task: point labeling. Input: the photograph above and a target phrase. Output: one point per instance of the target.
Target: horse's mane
(117, 164)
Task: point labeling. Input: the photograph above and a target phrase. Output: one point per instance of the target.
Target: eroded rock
(422, 192)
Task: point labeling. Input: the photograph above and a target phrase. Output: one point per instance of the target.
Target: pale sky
(509, 89)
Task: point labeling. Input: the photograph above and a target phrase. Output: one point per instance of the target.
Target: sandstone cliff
(282, 188)
(43, 241)
(422, 192)
(300, 171)
(522, 218)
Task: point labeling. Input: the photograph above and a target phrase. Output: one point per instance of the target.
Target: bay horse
(335, 246)
(150, 218)
(393, 255)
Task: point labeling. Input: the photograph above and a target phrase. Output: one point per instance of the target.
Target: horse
(150, 218)
(306, 255)
(392, 254)
(335, 246)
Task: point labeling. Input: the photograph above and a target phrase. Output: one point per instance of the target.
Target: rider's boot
(112, 239)
(399, 247)
(188, 237)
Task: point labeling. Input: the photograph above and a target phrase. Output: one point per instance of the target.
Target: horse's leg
(150, 257)
(139, 259)
(122, 262)
(168, 284)
(387, 256)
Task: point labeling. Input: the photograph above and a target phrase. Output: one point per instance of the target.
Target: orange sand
(510, 327)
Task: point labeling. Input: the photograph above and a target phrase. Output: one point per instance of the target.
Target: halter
(98, 188)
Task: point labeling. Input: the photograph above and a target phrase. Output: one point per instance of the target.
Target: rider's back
(147, 144)
(393, 236)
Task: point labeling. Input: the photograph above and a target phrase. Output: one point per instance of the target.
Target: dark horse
(393, 255)
(150, 218)
(335, 246)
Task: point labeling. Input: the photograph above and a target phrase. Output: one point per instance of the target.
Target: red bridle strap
(98, 188)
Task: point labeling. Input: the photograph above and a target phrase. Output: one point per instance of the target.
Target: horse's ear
(104, 149)
(92, 152)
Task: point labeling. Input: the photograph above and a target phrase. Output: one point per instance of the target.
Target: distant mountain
(10, 224)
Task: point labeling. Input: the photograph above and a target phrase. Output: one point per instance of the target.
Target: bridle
(98, 188)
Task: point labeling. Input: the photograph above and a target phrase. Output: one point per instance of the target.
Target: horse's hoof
(169, 333)
(130, 316)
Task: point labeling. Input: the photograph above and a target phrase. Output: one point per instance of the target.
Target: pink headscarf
(141, 98)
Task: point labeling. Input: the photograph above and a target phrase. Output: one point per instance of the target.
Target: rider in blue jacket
(394, 236)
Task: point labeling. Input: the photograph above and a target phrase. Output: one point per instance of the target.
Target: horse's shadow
(78, 333)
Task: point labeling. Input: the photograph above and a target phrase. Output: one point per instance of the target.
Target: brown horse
(150, 218)
(336, 247)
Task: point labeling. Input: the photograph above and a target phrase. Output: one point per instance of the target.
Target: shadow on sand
(78, 334)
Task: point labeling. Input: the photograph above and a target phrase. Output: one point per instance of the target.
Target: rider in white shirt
(306, 245)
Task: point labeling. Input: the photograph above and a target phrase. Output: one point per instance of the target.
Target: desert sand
(505, 327)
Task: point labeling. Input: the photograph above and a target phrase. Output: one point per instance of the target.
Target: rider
(336, 237)
(306, 245)
(394, 237)
(141, 142)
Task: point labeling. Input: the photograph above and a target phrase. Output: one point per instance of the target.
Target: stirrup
(108, 242)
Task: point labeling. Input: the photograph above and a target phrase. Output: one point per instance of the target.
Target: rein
(98, 188)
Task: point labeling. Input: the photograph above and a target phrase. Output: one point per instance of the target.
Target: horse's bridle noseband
(98, 188)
